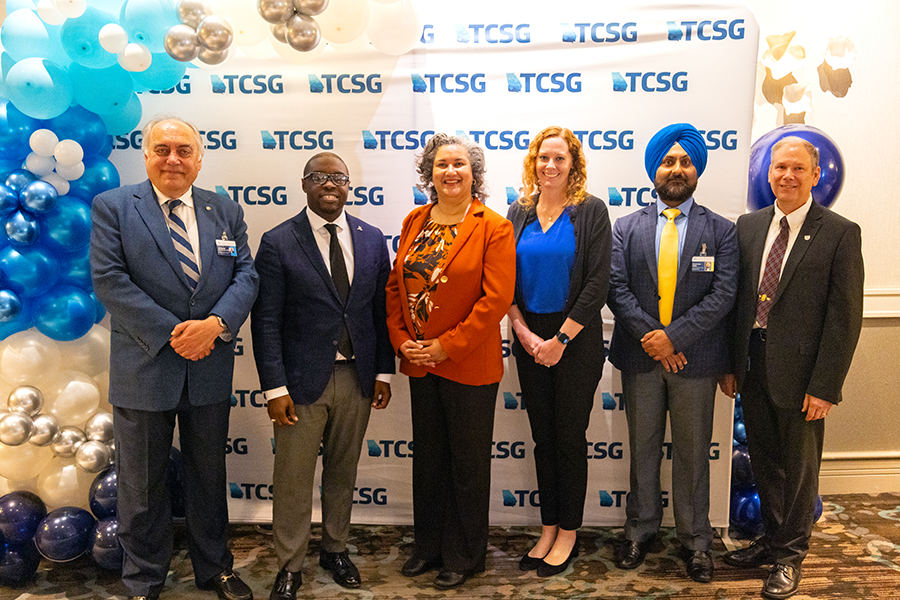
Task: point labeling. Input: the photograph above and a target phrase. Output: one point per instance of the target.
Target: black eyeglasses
(335, 178)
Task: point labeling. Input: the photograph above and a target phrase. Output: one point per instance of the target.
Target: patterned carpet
(854, 555)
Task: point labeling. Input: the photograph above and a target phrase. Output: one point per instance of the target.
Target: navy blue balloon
(38, 197)
(10, 306)
(831, 161)
(20, 514)
(67, 229)
(104, 548)
(99, 176)
(9, 201)
(83, 126)
(65, 313)
(18, 179)
(18, 563)
(15, 131)
(21, 228)
(741, 472)
(103, 494)
(176, 482)
(817, 513)
(740, 432)
(746, 516)
(64, 534)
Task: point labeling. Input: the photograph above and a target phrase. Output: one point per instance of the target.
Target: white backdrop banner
(497, 72)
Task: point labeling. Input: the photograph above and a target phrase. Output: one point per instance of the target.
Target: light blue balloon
(25, 35)
(38, 197)
(101, 91)
(22, 229)
(163, 73)
(67, 229)
(18, 179)
(125, 120)
(29, 272)
(113, 7)
(40, 88)
(148, 21)
(15, 131)
(14, 5)
(99, 175)
(81, 125)
(80, 39)
(10, 305)
(65, 313)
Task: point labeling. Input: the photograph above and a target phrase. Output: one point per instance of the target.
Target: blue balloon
(75, 269)
(25, 35)
(81, 125)
(98, 306)
(746, 515)
(40, 88)
(148, 21)
(64, 534)
(67, 229)
(111, 6)
(10, 306)
(20, 514)
(24, 320)
(107, 148)
(29, 272)
(18, 179)
(65, 313)
(9, 201)
(103, 494)
(738, 412)
(104, 548)
(102, 91)
(22, 228)
(741, 472)
(740, 432)
(80, 38)
(163, 73)
(831, 161)
(15, 131)
(125, 120)
(99, 176)
(18, 563)
(13, 5)
(38, 197)
(820, 507)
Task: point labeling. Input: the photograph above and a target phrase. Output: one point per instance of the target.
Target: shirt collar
(797, 217)
(186, 198)
(318, 223)
(685, 207)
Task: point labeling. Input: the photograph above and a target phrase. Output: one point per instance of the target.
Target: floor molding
(856, 472)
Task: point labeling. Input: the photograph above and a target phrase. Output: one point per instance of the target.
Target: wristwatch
(225, 336)
(563, 338)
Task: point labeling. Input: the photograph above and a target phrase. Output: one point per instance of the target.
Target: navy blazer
(297, 317)
(702, 299)
(138, 277)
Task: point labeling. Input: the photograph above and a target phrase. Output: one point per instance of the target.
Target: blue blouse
(544, 262)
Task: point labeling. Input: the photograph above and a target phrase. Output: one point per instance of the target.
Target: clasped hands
(195, 339)
(545, 352)
(659, 347)
(424, 353)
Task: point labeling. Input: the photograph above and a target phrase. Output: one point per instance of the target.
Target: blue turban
(686, 135)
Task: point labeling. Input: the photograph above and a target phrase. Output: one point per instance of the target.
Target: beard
(675, 188)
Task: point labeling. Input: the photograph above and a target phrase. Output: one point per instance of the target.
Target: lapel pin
(806, 237)
(210, 208)
(358, 228)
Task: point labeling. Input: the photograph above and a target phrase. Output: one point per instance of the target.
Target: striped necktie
(772, 274)
(182, 243)
(668, 266)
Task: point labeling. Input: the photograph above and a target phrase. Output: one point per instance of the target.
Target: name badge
(703, 264)
(226, 248)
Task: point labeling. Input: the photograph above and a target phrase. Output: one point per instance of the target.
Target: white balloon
(89, 354)
(71, 398)
(70, 172)
(43, 142)
(394, 29)
(135, 58)
(385, 1)
(344, 20)
(63, 483)
(23, 462)
(292, 56)
(261, 51)
(39, 165)
(355, 46)
(29, 357)
(113, 38)
(71, 9)
(68, 152)
(60, 183)
(250, 29)
(49, 14)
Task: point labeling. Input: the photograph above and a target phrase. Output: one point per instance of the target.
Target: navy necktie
(342, 283)
(182, 243)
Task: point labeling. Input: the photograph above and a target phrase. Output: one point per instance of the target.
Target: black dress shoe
(782, 582)
(547, 570)
(529, 563)
(416, 566)
(449, 579)
(755, 555)
(229, 586)
(699, 566)
(631, 554)
(343, 571)
(147, 597)
(286, 584)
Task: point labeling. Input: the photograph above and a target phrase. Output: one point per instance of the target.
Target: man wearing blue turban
(673, 281)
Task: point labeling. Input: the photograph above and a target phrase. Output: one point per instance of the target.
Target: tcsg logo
(215, 140)
(297, 140)
(254, 195)
(388, 448)
(599, 33)
(246, 84)
(650, 81)
(521, 498)
(492, 33)
(449, 83)
(544, 83)
(250, 491)
(705, 31)
(345, 83)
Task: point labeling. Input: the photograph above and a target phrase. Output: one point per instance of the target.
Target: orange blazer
(475, 292)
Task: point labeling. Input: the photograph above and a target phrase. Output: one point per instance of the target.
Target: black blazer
(816, 317)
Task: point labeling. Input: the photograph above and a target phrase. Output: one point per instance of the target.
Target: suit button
(334, 343)
(443, 279)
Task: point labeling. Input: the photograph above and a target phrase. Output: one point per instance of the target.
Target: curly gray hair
(425, 164)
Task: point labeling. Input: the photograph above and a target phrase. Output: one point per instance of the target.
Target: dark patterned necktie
(182, 243)
(342, 283)
(772, 274)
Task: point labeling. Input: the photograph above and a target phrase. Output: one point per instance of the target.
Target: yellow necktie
(668, 265)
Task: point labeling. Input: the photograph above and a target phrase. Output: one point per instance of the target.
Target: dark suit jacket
(297, 318)
(816, 317)
(702, 299)
(138, 277)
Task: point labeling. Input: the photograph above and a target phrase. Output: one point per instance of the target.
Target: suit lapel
(695, 226)
(360, 250)
(148, 207)
(206, 232)
(305, 238)
(464, 230)
(648, 238)
(805, 237)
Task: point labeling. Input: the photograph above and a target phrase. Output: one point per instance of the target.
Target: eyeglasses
(321, 178)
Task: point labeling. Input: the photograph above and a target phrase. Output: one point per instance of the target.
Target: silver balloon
(215, 34)
(112, 451)
(310, 7)
(212, 58)
(26, 399)
(68, 441)
(46, 428)
(302, 33)
(100, 427)
(182, 43)
(279, 32)
(275, 11)
(191, 12)
(15, 428)
(92, 456)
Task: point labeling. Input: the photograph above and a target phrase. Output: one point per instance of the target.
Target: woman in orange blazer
(452, 282)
